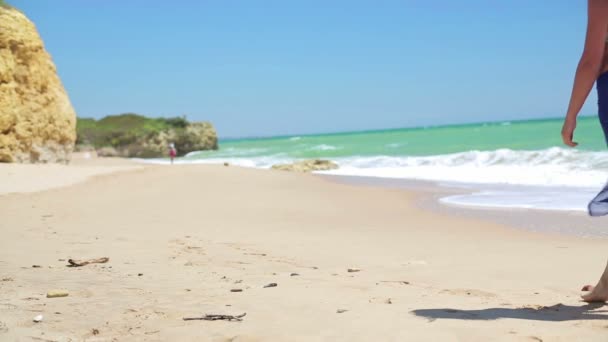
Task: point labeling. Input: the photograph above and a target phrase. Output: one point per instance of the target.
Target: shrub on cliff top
(124, 129)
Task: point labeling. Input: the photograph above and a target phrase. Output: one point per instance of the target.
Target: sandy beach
(180, 238)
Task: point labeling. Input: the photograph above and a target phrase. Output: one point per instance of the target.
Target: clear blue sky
(279, 67)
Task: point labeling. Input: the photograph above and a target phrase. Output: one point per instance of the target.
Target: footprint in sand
(181, 248)
(380, 300)
(194, 249)
(469, 292)
(415, 263)
(259, 254)
(7, 306)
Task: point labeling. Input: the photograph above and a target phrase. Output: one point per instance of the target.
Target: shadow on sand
(555, 313)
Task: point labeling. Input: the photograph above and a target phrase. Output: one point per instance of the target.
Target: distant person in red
(172, 152)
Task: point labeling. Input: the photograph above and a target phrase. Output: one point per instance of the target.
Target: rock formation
(134, 135)
(37, 121)
(307, 166)
(196, 136)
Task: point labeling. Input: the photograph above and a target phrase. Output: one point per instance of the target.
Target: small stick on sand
(78, 263)
(403, 282)
(216, 318)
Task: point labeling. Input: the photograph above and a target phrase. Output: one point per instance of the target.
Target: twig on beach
(402, 282)
(78, 263)
(216, 318)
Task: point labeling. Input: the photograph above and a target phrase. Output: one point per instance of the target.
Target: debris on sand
(78, 263)
(401, 282)
(271, 285)
(57, 293)
(216, 318)
(38, 319)
(353, 270)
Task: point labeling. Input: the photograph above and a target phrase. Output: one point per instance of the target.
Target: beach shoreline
(180, 238)
(431, 194)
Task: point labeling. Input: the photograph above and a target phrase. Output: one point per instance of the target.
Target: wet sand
(574, 223)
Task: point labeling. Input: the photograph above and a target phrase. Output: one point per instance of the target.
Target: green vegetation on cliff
(121, 130)
(133, 135)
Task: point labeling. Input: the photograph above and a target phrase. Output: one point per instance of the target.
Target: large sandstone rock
(37, 121)
(196, 136)
(307, 166)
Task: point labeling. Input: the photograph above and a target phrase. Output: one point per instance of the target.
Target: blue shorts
(602, 102)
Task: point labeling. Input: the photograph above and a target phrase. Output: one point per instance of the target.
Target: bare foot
(588, 288)
(598, 293)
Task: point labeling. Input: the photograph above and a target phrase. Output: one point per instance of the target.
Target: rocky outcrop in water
(307, 166)
(37, 121)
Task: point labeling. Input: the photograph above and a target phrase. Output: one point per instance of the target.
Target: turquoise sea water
(423, 141)
(497, 159)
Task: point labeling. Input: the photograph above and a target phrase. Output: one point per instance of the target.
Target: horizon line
(389, 129)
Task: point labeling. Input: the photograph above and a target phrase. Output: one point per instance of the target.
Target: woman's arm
(589, 65)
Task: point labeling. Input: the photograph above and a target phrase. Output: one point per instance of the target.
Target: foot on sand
(598, 293)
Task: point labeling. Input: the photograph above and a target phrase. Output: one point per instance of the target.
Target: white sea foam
(255, 162)
(554, 178)
(550, 167)
(323, 147)
(229, 152)
(566, 199)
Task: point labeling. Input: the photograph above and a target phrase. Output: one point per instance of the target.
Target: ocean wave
(550, 167)
(227, 152)
(264, 162)
(323, 147)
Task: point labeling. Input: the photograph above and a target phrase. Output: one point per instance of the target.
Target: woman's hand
(568, 132)
(589, 66)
